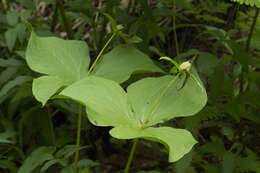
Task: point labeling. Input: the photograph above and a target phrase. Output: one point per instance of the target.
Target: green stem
(174, 29)
(131, 156)
(65, 20)
(158, 100)
(252, 29)
(78, 140)
(100, 53)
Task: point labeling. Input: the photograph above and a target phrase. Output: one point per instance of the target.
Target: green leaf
(23, 92)
(13, 83)
(10, 38)
(122, 61)
(67, 61)
(46, 86)
(21, 31)
(12, 18)
(7, 164)
(4, 137)
(178, 141)
(37, 158)
(10, 62)
(184, 163)
(228, 163)
(50, 163)
(106, 102)
(176, 103)
(7, 74)
(206, 63)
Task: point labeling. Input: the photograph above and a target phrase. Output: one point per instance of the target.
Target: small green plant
(65, 62)
(133, 114)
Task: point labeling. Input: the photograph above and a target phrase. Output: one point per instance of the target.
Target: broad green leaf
(53, 56)
(176, 102)
(46, 86)
(65, 60)
(106, 102)
(121, 62)
(178, 141)
(36, 158)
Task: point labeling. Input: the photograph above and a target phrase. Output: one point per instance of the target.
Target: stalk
(78, 139)
(130, 158)
(65, 20)
(100, 53)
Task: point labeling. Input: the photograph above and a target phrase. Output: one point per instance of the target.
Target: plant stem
(131, 156)
(158, 100)
(65, 20)
(252, 29)
(100, 53)
(174, 29)
(78, 140)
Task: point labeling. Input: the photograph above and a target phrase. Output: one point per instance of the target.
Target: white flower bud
(185, 66)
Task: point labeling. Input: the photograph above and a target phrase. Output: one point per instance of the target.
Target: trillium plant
(134, 113)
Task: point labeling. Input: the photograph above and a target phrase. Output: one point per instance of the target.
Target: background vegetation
(224, 35)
